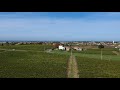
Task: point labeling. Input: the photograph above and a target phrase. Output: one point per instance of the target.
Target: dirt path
(115, 52)
(72, 68)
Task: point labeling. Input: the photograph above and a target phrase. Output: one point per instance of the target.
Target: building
(113, 42)
(77, 48)
(61, 47)
(67, 48)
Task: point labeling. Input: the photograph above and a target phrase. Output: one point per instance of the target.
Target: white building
(61, 47)
(67, 48)
(113, 42)
(78, 48)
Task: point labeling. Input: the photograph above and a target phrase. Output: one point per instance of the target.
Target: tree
(2, 44)
(7, 43)
(101, 47)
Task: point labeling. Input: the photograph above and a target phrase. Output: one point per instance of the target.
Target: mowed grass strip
(95, 68)
(32, 64)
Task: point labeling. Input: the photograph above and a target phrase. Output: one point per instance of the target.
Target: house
(67, 48)
(56, 45)
(77, 48)
(61, 47)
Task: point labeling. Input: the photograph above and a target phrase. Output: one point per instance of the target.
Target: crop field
(31, 64)
(27, 47)
(95, 68)
(31, 61)
(94, 54)
(98, 51)
(90, 64)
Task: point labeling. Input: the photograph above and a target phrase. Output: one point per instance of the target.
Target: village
(66, 46)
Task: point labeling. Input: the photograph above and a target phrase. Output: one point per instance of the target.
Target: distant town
(66, 45)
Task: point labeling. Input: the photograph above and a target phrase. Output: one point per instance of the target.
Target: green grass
(32, 64)
(95, 68)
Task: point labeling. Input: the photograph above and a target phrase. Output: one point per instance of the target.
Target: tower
(113, 42)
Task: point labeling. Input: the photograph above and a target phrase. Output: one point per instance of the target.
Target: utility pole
(101, 54)
(44, 48)
(71, 51)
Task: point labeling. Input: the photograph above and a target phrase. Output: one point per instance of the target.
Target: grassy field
(27, 47)
(94, 54)
(90, 64)
(32, 64)
(2, 50)
(98, 51)
(95, 68)
(30, 61)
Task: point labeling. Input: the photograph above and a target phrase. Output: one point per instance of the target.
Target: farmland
(91, 66)
(27, 47)
(94, 53)
(31, 63)
(95, 68)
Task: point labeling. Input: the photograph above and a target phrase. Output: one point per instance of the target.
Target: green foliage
(100, 46)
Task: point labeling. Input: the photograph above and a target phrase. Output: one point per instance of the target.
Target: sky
(60, 26)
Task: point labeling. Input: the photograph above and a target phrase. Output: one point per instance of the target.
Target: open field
(30, 61)
(27, 47)
(91, 66)
(94, 54)
(95, 68)
(32, 64)
(97, 51)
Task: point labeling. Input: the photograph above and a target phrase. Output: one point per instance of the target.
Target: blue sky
(60, 26)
